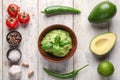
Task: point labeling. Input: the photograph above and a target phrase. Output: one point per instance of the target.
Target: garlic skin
(15, 72)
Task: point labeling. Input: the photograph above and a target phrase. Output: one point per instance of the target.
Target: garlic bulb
(15, 72)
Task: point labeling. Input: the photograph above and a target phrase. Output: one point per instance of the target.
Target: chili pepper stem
(82, 67)
(42, 12)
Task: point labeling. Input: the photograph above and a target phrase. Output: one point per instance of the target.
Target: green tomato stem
(12, 9)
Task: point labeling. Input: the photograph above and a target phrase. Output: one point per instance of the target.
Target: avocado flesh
(102, 43)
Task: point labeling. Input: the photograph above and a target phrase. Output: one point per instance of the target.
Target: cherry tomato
(24, 18)
(12, 23)
(13, 10)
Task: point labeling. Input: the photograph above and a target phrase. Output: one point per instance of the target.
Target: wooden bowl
(51, 58)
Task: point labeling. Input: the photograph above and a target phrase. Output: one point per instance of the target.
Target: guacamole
(57, 42)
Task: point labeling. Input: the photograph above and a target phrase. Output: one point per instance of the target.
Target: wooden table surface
(78, 23)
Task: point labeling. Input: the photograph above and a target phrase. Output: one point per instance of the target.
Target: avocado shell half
(102, 55)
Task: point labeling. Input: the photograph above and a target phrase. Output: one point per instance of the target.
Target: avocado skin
(103, 12)
(105, 54)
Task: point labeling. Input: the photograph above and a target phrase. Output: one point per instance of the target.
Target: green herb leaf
(47, 46)
(65, 42)
(56, 48)
(57, 39)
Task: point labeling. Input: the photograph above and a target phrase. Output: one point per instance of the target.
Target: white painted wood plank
(1, 40)
(85, 32)
(6, 64)
(43, 23)
(28, 45)
(114, 56)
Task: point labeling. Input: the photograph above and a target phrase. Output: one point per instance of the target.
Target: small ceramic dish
(51, 58)
(14, 55)
(14, 38)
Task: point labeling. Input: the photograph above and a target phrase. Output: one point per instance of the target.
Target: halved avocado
(103, 43)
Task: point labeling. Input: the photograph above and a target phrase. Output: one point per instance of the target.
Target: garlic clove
(25, 64)
(30, 74)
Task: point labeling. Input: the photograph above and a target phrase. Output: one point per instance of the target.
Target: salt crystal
(14, 55)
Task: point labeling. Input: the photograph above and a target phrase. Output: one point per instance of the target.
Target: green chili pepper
(59, 9)
(64, 76)
(47, 46)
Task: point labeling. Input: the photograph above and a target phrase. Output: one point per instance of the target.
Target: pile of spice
(14, 38)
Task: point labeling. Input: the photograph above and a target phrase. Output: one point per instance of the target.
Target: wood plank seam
(38, 34)
(2, 39)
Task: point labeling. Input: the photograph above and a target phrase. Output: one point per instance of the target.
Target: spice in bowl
(14, 55)
(14, 38)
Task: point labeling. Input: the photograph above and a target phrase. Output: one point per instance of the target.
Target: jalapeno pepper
(64, 76)
(59, 9)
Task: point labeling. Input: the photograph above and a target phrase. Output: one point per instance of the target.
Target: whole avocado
(103, 12)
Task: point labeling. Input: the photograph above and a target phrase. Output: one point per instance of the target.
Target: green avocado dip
(57, 42)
